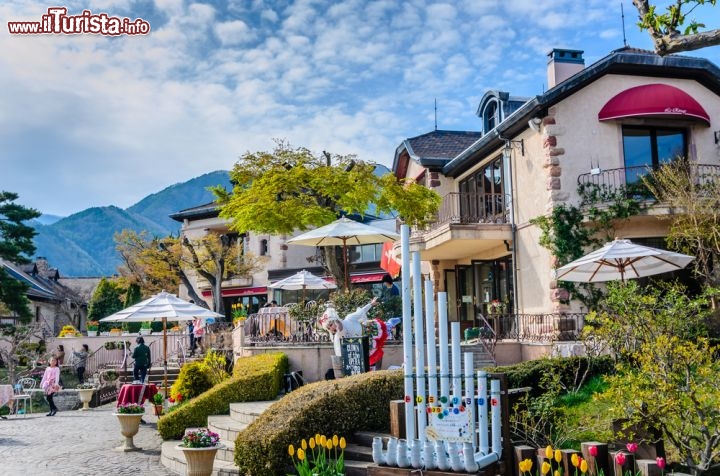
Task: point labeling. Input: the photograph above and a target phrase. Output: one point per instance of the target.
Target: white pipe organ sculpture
(440, 428)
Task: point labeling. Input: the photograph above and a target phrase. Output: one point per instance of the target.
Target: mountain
(82, 244)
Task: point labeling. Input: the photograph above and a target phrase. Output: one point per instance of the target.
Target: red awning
(655, 100)
(233, 292)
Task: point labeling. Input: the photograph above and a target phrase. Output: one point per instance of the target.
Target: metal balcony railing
(630, 177)
(463, 208)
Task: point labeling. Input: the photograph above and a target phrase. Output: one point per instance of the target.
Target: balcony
(479, 221)
(612, 180)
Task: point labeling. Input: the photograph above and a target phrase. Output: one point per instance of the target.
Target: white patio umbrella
(344, 232)
(622, 259)
(162, 307)
(303, 280)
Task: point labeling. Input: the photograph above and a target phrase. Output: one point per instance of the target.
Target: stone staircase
(155, 375)
(358, 453)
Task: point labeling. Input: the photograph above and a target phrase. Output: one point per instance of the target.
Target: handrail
(618, 177)
(466, 208)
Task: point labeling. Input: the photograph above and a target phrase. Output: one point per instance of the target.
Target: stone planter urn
(199, 460)
(92, 333)
(86, 397)
(129, 426)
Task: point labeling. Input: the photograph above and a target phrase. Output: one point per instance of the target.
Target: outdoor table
(130, 393)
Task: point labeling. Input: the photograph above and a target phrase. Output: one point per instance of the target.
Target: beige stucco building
(602, 124)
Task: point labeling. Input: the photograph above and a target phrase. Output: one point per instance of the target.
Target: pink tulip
(593, 451)
(660, 461)
(620, 459)
(632, 447)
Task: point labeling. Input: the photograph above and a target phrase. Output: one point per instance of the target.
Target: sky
(91, 120)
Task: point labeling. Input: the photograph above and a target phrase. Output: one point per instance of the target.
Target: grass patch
(586, 417)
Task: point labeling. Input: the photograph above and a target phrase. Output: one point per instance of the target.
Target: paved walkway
(77, 443)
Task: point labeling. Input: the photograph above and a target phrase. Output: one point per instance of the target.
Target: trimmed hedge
(529, 373)
(333, 407)
(255, 378)
(193, 380)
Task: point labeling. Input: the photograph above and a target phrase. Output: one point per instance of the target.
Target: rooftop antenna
(622, 15)
(435, 113)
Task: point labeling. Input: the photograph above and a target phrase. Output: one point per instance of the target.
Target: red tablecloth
(130, 393)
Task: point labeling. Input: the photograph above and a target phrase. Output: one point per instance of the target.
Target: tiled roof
(441, 144)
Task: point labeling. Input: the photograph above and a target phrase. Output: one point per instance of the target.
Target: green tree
(694, 229)
(632, 316)
(132, 295)
(291, 189)
(664, 28)
(106, 300)
(16, 246)
(674, 386)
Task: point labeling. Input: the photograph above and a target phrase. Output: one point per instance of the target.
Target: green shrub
(360, 402)
(215, 364)
(256, 378)
(569, 370)
(194, 379)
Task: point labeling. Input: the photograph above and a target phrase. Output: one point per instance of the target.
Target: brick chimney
(562, 64)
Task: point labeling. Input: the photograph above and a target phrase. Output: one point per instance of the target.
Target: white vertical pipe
(430, 339)
(496, 417)
(407, 333)
(455, 353)
(443, 344)
(470, 395)
(419, 349)
(482, 406)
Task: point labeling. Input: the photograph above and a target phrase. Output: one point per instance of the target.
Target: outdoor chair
(23, 394)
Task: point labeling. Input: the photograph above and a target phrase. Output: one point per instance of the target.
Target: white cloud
(233, 32)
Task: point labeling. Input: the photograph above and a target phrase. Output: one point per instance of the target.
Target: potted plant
(158, 401)
(85, 392)
(115, 331)
(146, 328)
(129, 416)
(68, 331)
(92, 328)
(199, 445)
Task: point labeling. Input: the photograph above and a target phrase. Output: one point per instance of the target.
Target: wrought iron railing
(279, 328)
(463, 208)
(630, 177)
(538, 327)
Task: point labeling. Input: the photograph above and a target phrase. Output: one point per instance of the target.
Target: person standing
(50, 385)
(389, 288)
(190, 329)
(81, 361)
(59, 354)
(199, 332)
(141, 355)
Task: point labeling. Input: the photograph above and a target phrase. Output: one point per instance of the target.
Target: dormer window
(490, 116)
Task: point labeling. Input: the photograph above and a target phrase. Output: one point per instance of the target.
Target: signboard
(448, 424)
(355, 355)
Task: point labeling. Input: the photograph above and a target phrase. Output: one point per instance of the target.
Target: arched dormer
(495, 106)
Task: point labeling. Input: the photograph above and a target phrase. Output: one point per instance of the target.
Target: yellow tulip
(549, 452)
(303, 443)
(301, 454)
(526, 465)
(574, 460)
(545, 467)
(342, 442)
(317, 438)
(291, 450)
(312, 443)
(335, 440)
(322, 440)
(583, 466)
(557, 473)
(328, 444)
(558, 455)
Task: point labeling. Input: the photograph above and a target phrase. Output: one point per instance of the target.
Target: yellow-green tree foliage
(291, 189)
(674, 386)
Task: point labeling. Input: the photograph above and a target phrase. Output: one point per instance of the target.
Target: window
(490, 117)
(263, 247)
(481, 195)
(649, 147)
(366, 253)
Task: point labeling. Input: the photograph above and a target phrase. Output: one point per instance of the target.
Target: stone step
(226, 426)
(172, 458)
(357, 468)
(365, 438)
(227, 453)
(246, 412)
(355, 452)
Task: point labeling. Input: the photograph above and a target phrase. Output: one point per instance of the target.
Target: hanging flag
(389, 261)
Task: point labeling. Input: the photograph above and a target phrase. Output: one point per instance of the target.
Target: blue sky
(89, 120)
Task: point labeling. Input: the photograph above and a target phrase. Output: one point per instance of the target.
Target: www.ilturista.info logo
(58, 22)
